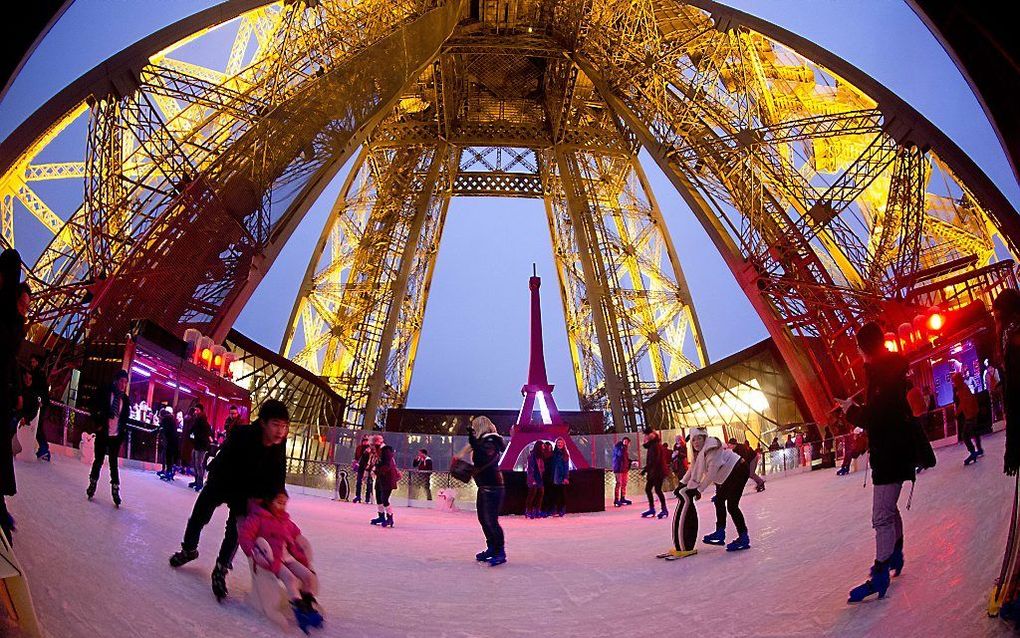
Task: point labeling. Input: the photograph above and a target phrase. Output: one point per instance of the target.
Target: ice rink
(98, 571)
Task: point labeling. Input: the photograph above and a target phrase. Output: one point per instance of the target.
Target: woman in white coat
(716, 464)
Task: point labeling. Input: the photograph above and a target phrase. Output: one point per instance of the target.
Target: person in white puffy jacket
(715, 464)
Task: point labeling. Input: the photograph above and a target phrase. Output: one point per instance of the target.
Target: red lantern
(891, 343)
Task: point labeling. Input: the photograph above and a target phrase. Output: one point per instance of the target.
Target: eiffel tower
(826, 195)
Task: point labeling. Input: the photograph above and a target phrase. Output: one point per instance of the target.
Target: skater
(656, 461)
(201, 440)
(855, 446)
(387, 477)
(678, 458)
(232, 421)
(717, 465)
(41, 389)
(561, 477)
(750, 456)
(14, 300)
(251, 464)
(374, 449)
(535, 478)
(966, 418)
(110, 413)
(168, 430)
(274, 542)
(1006, 309)
(486, 448)
(360, 465)
(423, 464)
(894, 451)
(621, 470)
(28, 401)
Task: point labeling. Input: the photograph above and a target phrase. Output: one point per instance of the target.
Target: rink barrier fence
(316, 467)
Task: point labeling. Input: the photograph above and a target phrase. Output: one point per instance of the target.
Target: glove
(678, 489)
(644, 472)
(695, 494)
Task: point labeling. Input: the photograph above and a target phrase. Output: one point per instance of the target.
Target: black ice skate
(183, 557)
(115, 493)
(219, 581)
(91, 490)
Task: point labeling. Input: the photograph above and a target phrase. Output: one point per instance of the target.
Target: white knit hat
(698, 432)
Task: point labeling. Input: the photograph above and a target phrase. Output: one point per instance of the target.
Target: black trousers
(557, 497)
(727, 498)
(210, 498)
(382, 495)
(40, 433)
(170, 453)
(357, 484)
(107, 446)
(656, 485)
(5, 518)
(968, 432)
(488, 504)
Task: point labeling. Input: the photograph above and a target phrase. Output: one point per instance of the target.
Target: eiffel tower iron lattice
(824, 193)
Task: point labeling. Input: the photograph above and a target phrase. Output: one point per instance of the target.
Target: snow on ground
(98, 571)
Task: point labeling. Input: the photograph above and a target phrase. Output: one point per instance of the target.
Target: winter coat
(678, 460)
(536, 468)
(1010, 345)
(168, 428)
(560, 466)
(655, 461)
(485, 453)
(361, 455)
(711, 466)
(387, 475)
(966, 402)
(887, 419)
(230, 423)
(102, 412)
(423, 465)
(279, 531)
(201, 433)
(246, 468)
(12, 332)
(621, 458)
(745, 452)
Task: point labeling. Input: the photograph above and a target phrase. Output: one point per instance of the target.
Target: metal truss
(824, 193)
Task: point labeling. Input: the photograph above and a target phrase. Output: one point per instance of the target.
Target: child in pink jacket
(274, 542)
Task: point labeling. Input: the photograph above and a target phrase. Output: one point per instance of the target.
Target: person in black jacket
(486, 449)
(41, 389)
(251, 464)
(171, 443)
(886, 417)
(1006, 309)
(110, 413)
(361, 454)
(423, 464)
(655, 470)
(201, 440)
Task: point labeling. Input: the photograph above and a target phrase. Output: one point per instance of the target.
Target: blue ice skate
(742, 542)
(718, 537)
(877, 584)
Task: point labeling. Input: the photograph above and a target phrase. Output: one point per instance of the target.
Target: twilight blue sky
(473, 349)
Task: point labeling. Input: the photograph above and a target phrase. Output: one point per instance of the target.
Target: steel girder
(823, 192)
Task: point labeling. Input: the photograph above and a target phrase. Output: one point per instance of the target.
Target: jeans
(40, 435)
(968, 432)
(656, 485)
(198, 462)
(488, 503)
(107, 446)
(358, 483)
(727, 498)
(211, 497)
(885, 519)
(620, 491)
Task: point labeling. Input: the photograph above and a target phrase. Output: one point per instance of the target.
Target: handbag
(461, 470)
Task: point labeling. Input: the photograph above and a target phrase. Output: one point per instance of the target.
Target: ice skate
(663, 514)
(183, 557)
(378, 520)
(91, 490)
(42, 456)
(971, 458)
(481, 557)
(980, 452)
(677, 554)
(877, 584)
(896, 559)
(760, 488)
(616, 503)
(648, 513)
(357, 499)
(389, 521)
(742, 542)
(718, 537)
(219, 581)
(843, 471)
(497, 558)
(624, 501)
(115, 493)
(305, 615)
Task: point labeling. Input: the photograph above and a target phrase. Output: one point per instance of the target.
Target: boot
(497, 558)
(896, 559)
(718, 537)
(379, 520)
(115, 493)
(742, 542)
(877, 584)
(562, 511)
(650, 512)
(219, 581)
(182, 557)
(389, 521)
(91, 490)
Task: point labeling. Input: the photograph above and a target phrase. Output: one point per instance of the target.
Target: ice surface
(98, 571)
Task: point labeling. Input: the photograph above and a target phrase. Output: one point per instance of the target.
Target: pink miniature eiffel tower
(538, 391)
